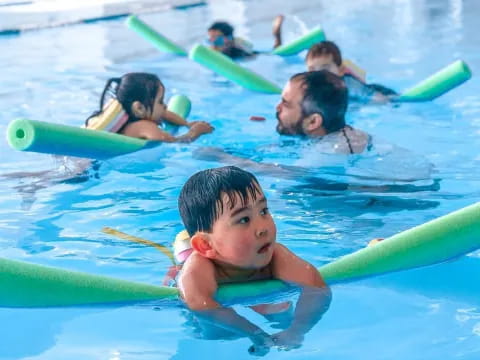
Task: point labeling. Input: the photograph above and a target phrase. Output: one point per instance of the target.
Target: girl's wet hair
(131, 87)
(200, 202)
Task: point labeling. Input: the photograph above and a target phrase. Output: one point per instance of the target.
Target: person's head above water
(313, 104)
(220, 35)
(141, 96)
(324, 55)
(225, 211)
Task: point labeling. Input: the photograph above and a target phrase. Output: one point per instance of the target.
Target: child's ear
(139, 110)
(201, 244)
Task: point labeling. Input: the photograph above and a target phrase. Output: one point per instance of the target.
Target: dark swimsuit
(234, 52)
(360, 91)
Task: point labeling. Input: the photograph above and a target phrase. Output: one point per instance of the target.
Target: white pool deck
(20, 15)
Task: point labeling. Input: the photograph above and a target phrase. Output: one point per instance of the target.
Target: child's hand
(287, 340)
(201, 127)
(375, 241)
(262, 342)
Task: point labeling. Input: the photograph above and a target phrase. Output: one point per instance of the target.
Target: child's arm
(174, 119)
(289, 267)
(149, 130)
(198, 286)
(314, 299)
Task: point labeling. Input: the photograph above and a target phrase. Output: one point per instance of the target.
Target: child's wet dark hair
(200, 202)
(325, 48)
(131, 87)
(222, 26)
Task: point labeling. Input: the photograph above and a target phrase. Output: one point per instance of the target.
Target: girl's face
(159, 106)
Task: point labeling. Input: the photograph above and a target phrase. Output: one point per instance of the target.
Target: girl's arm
(149, 130)
(174, 119)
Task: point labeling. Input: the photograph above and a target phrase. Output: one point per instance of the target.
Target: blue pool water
(57, 75)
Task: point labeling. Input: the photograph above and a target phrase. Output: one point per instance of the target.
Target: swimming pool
(57, 75)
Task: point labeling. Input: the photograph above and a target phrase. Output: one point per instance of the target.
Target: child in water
(221, 38)
(234, 240)
(326, 55)
(140, 97)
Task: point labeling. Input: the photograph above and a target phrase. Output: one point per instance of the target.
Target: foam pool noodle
(302, 43)
(226, 67)
(156, 39)
(439, 83)
(57, 139)
(27, 285)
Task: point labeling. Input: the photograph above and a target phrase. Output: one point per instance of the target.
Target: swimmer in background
(141, 96)
(221, 38)
(326, 55)
(234, 240)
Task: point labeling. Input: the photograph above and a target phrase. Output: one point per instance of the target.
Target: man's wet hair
(201, 200)
(326, 94)
(222, 26)
(325, 48)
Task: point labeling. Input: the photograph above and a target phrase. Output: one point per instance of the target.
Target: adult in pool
(313, 107)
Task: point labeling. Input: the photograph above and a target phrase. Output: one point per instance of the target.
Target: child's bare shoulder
(196, 262)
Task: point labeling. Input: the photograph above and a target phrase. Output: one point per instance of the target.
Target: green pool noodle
(302, 43)
(223, 65)
(436, 241)
(57, 139)
(439, 83)
(28, 285)
(159, 41)
(65, 140)
(180, 105)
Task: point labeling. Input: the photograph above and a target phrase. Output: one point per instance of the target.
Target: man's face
(289, 110)
(323, 62)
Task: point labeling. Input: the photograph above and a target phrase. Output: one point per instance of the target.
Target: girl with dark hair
(133, 105)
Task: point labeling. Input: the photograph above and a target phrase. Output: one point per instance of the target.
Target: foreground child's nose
(262, 232)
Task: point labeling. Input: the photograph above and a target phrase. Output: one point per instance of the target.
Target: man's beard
(296, 129)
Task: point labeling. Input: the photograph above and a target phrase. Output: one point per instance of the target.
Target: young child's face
(218, 40)
(323, 62)
(158, 106)
(244, 237)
